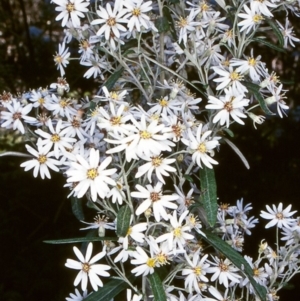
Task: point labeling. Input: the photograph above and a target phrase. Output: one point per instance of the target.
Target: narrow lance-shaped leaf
(108, 291)
(236, 259)
(78, 239)
(268, 44)
(277, 31)
(157, 287)
(254, 89)
(77, 208)
(209, 194)
(123, 221)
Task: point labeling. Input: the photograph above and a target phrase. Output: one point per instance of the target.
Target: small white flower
(201, 146)
(154, 197)
(77, 296)
(178, 233)
(15, 115)
(134, 232)
(288, 34)
(252, 18)
(224, 271)
(71, 10)
(195, 272)
(160, 165)
(146, 263)
(135, 297)
(87, 268)
(55, 139)
(61, 58)
(110, 20)
(278, 216)
(90, 175)
(41, 162)
(136, 15)
(230, 105)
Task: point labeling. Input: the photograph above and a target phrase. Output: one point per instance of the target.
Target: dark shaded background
(34, 210)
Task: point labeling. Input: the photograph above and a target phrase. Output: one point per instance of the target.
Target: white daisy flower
(71, 10)
(230, 77)
(136, 15)
(15, 115)
(154, 197)
(55, 139)
(288, 34)
(77, 296)
(90, 175)
(110, 20)
(41, 162)
(200, 146)
(87, 268)
(195, 272)
(97, 66)
(231, 105)
(178, 234)
(224, 271)
(160, 165)
(278, 216)
(252, 18)
(61, 58)
(187, 25)
(61, 106)
(40, 98)
(134, 232)
(262, 6)
(145, 263)
(146, 140)
(135, 297)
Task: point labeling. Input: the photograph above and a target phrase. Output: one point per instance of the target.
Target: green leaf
(109, 84)
(268, 44)
(229, 132)
(254, 89)
(188, 178)
(78, 239)
(157, 287)
(108, 291)
(169, 18)
(277, 31)
(123, 221)
(77, 208)
(209, 194)
(162, 24)
(237, 259)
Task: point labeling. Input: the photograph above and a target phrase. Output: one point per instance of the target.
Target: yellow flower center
(116, 120)
(177, 232)
(85, 44)
(161, 258)
(136, 12)
(58, 59)
(145, 135)
(114, 95)
(111, 22)
(156, 161)
(182, 22)
(55, 138)
(235, 76)
(41, 100)
(202, 148)
(151, 262)
(257, 18)
(197, 271)
(63, 103)
(252, 61)
(42, 159)
(163, 102)
(92, 173)
(86, 267)
(256, 271)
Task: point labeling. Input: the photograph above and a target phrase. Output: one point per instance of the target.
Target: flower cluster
(137, 146)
